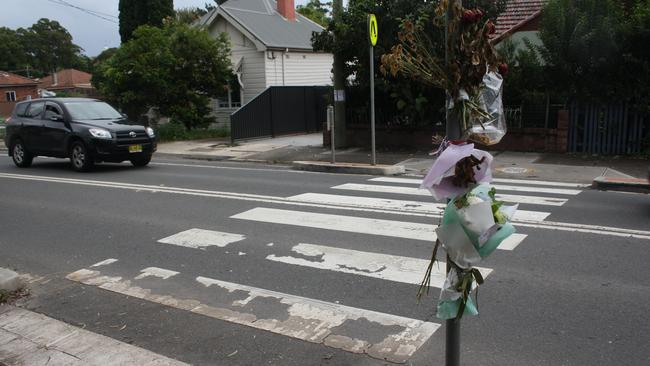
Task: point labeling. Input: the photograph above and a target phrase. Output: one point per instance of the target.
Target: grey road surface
(219, 263)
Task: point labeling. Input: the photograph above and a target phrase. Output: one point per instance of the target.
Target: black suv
(85, 130)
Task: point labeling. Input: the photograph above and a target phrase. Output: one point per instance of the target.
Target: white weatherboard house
(271, 46)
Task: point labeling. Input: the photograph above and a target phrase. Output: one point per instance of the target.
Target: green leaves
(176, 69)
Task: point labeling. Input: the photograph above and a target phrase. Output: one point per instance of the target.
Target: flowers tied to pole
(473, 225)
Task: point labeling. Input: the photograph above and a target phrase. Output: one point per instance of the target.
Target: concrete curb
(9, 280)
(621, 184)
(348, 168)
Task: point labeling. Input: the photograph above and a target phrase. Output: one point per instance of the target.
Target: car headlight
(100, 133)
(150, 132)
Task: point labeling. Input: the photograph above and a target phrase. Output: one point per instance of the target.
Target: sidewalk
(308, 148)
(29, 338)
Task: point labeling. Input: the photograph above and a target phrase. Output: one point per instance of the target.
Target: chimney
(286, 9)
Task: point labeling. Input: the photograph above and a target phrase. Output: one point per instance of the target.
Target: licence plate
(135, 148)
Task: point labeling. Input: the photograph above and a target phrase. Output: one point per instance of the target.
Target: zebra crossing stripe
(393, 338)
(533, 200)
(200, 239)
(427, 208)
(354, 224)
(502, 187)
(495, 180)
(383, 266)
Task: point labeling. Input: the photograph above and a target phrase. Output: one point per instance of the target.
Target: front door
(55, 130)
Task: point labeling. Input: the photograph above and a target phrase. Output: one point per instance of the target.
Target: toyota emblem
(132, 134)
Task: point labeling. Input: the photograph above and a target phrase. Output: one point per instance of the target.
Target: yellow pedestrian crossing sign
(373, 31)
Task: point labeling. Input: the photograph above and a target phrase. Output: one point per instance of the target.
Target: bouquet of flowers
(471, 76)
(472, 227)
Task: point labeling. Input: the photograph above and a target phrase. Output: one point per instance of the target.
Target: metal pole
(452, 129)
(339, 81)
(330, 122)
(372, 105)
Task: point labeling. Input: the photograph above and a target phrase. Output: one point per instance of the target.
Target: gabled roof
(517, 14)
(261, 19)
(9, 79)
(68, 78)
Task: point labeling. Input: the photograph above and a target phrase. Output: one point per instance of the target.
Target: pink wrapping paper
(439, 179)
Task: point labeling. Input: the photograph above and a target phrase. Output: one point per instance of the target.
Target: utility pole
(339, 83)
(452, 129)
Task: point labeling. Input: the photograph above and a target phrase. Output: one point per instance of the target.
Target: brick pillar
(562, 141)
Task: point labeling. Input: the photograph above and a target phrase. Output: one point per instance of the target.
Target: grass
(177, 132)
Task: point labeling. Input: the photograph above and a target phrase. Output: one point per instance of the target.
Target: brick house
(14, 88)
(69, 81)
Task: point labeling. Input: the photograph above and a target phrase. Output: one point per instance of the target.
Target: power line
(94, 13)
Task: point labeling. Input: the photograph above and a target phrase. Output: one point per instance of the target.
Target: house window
(10, 96)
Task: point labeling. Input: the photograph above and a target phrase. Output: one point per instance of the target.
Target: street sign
(373, 31)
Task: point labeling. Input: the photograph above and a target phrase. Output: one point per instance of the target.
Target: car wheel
(80, 158)
(141, 160)
(22, 158)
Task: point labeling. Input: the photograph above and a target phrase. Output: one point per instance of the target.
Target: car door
(32, 125)
(55, 130)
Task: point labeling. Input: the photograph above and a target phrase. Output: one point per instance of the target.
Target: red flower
(469, 16)
(491, 28)
(503, 69)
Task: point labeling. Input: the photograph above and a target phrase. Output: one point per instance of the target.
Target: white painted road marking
(105, 262)
(353, 224)
(383, 266)
(533, 200)
(558, 226)
(430, 208)
(395, 338)
(200, 239)
(495, 180)
(499, 187)
(156, 272)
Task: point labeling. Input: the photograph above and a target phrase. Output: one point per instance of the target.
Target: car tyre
(80, 158)
(22, 158)
(141, 161)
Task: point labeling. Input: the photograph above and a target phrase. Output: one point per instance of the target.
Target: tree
(136, 13)
(12, 50)
(414, 102)
(581, 46)
(316, 11)
(635, 70)
(48, 46)
(176, 68)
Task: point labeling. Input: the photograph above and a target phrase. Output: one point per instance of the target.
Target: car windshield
(92, 110)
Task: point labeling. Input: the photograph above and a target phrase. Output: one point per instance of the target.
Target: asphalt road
(293, 268)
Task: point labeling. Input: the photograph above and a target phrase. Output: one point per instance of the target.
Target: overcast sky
(90, 32)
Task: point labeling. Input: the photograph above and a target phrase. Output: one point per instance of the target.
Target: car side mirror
(56, 118)
(124, 115)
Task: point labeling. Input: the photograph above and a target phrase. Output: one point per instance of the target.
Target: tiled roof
(517, 12)
(264, 22)
(7, 78)
(68, 78)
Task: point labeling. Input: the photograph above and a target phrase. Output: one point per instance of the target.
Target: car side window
(52, 110)
(35, 110)
(20, 109)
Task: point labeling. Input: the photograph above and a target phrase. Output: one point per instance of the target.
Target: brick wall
(22, 92)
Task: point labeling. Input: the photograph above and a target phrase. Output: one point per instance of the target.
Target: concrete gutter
(621, 184)
(348, 168)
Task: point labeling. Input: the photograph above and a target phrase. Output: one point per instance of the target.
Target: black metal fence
(282, 110)
(607, 129)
